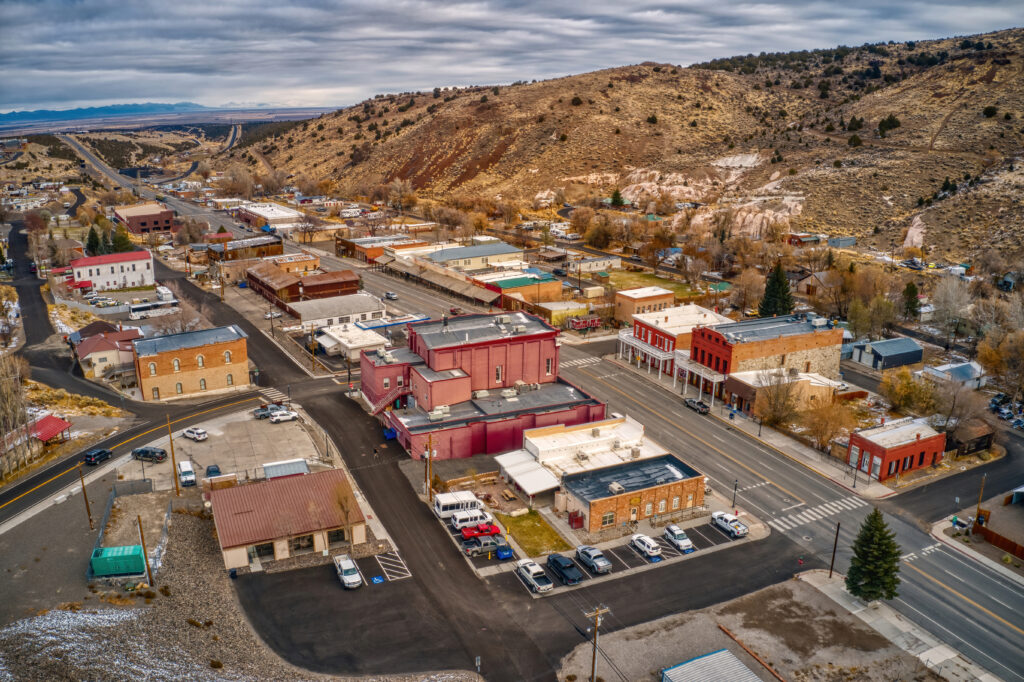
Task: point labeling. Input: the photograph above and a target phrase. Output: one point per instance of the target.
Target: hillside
(763, 141)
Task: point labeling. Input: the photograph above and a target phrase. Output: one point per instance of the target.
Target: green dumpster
(127, 560)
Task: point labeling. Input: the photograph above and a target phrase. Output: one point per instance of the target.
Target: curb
(972, 555)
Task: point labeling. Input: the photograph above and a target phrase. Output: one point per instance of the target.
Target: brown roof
(330, 277)
(108, 341)
(282, 508)
(97, 327)
(272, 276)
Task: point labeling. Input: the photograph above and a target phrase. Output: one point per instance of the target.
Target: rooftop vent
(508, 393)
(481, 394)
(634, 453)
(504, 319)
(616, 488)
(595, 432)
(519, 329)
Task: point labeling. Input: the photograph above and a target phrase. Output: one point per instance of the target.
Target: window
(807, 366)
(892, 467)
(152, 369)
(335, 537)
(608, 518)
(202, 384)
(231, 380)
(387, 383)
(549, 364)
(227, 357)
(177, 365)
(783, 360)
(200, 361)
(908, 461)
(156, 393)
(675, 502)
(649, 509)
(177, 388)
(497, 374)
(300, 545)
(265, 550)
(661, 506)
(920, 459)
(399, 380)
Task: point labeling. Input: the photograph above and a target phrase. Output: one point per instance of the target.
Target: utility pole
(430, 468)
(834, 545)
(85, 497)
(174, 465)
(735, 488)
(145, 557)
(595, 616)
(220, 280)
(981, 491)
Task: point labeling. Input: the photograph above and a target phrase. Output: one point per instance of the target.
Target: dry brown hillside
(761, 140)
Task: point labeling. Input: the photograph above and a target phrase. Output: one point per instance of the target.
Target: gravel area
(122, 526)
(795, 628)
(189, 627)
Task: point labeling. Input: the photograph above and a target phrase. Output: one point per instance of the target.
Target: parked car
(1005, 413)
(594, 559)
(645, 545)
(96, 456)
(348, 572)
(698, 405)
(999, 399)
(534, 576)
(195, 433)
(264, 411)
(391, 296)
(677, 538)
(272, 315)
(559, 272)
(567, 571)
(283, 416)
(478, 530)
(729, 523)
(1017, 424)
(149, 454)
(486, 544)
(455, 310)
(212, 470)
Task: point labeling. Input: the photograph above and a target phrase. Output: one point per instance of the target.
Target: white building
(348, 340)
(115, 270)
(337, 310)
(268, 214)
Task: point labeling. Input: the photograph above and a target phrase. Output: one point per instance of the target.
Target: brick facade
(816, 352)
(645, 503)
(881, 462)
(627, 305)
(158, 372)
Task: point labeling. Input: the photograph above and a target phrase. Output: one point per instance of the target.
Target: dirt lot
(123, 528)
(793, 627)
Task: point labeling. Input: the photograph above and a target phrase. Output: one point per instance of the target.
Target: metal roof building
(194, 339)
(464, 252)
(888, 353)
(718, 666)
(630, 477)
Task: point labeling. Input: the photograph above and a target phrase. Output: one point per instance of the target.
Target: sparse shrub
(792, 171)
(617, 131)
(194, 623)
(576, 101)
(483, 99)
(165, 590)
(215, 664)
(854, 141)
(693, 123)
(652, 119)
(563, 137)
(989, 111)
(1007, 559)
(837, 164)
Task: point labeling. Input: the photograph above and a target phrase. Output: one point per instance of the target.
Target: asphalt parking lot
(478, 561)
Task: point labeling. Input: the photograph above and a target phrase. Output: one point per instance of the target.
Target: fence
(995, 539)
(134, 487)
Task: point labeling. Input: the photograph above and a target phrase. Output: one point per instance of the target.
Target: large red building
(472, 384)
(903, 445)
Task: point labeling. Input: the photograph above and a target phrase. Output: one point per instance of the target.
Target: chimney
(919, 435)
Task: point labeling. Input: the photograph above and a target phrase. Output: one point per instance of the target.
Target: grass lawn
(635, 280)
(533, 534)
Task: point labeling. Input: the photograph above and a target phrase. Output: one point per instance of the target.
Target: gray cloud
(67, 53)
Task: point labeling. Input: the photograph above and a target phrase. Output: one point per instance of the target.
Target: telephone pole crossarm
(596, 615)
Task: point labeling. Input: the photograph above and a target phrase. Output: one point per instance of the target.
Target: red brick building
(146, 218)
(473, 383)
(656, 336)
(276, 284)
(888, 450)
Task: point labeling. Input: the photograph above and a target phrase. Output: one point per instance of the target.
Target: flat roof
(759, 377)
(550, 396)
(898, 432)
(334, 306)
(464, 329)
(351, 336)
(477, 251)
(896, 346)
(523, 281)
(526, 472)
(246, 243)
(644, 292)
(761, 328)
(193, 339)
(681, 319)
(147, 208)
(431, 375)
(401, 356)
(632, 476)
(268, 210)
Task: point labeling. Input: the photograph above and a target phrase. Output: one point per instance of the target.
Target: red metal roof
(282, 508)
(49, 426)
(107, 341)
(111, 258)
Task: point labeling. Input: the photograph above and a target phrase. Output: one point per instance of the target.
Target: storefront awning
(521, 468)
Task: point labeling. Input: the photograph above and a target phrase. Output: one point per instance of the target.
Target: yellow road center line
(695, 437)
(964, 597)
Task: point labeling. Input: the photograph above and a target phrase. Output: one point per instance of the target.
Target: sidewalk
(940, 658)
(969, 551)
(818, 462)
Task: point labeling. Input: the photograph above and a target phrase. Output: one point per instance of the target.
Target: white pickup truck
(534, 576)
(730, 524)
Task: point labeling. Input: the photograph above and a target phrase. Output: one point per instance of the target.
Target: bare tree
(307, 226)
(955, 405)
(747, 289)
(776, 397)
(191, 231)
(15, 443)
(186, 319)
(826, 421)
(581, 219)
(509, 213)
(950, 299)
(203, 170)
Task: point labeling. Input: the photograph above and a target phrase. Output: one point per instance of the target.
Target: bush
(215, 664)
(563, 137)
(576, 101)
(854, 141)
(1007, 559)
(989, 111)
(652, 119)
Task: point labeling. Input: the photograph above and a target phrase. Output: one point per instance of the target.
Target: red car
(482, 529)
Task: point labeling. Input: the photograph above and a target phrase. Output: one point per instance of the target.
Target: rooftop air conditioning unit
(819, 322)
(617, 444)
(519, 329)
(634, 453)
(481, 394)
(504, 319)
(616, 488)
(443, 409)
(388, 357)
(508, 393)
(435, 415)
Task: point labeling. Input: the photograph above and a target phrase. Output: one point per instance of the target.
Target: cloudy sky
(69, 53)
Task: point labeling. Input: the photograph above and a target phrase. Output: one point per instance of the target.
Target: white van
(446, 504)
(186, 475)
(471, 517)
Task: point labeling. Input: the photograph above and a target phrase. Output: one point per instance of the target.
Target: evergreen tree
(121, 242)
(92, 242)
(106, 246)
(617, 198)
(222, 230)
(911, 304)
(777, 299)
(830, 260)
(876, 561)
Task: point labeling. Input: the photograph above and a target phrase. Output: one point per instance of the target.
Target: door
(632, 513)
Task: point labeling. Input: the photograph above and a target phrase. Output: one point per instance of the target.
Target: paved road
(963, 603)
(15, 157)
(79, 200)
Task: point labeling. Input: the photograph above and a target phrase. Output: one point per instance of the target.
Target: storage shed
(888, 353)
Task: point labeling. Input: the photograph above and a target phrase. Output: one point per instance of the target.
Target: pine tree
(121, 242)
(222, 230)
(911, 304)
(92, 242)
(106, 246)
(617, 198)
(777, 299)
(876, 561)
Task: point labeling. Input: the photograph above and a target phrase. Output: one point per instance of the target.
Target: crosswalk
(922, 553)
(273, 395)
(580, 362)
(816, 513)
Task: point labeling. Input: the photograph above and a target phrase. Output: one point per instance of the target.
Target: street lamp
(735, 488)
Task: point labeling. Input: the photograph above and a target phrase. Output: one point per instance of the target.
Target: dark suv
(96, 456)
(149, 454)
(565, 568)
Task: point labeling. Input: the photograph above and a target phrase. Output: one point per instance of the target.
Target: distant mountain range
(95, 112)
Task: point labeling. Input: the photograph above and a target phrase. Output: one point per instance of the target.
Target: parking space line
(393, 566)
(621, 560)
(698, 532)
